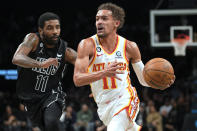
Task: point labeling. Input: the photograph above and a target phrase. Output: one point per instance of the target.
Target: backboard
(165, 25)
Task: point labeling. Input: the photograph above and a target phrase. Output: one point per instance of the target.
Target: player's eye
(49, 27)
(58, 27)
(104, 18)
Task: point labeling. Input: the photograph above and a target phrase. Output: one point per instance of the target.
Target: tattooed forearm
(26, 62)
(21, 55)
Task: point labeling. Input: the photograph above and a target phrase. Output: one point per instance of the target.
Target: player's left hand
(170, 83)
(113, 69)
(48, 62)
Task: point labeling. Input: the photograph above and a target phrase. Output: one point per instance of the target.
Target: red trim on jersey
(129, 105)
(136, 103)
(109, 53)
(125, 47)
(94, 53)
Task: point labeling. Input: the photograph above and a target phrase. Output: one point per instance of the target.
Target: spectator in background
(181, 111)
(84, 118)
(141, 118)
(101, 128)
(166, 108)
(96, 124)
(158, 98)
(154, 120)
(149, 104)
(68, 118)
(23, 119)
(9, 120)
(170, 120)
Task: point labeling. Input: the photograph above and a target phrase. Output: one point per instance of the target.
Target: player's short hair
(45, 17)
(118, 13)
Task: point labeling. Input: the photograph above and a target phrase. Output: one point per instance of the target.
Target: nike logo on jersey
(99, 55)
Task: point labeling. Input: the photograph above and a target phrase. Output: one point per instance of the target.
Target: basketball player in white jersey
(103, 62)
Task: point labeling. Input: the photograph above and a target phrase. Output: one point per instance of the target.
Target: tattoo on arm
(29, 41)
(21, 55)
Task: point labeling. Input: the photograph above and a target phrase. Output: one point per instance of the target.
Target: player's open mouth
(100, 29)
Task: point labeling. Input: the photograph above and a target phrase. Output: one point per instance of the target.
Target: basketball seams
(147, 65)
(159, 71)
(153, 79)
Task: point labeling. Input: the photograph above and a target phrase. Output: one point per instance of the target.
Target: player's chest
(102, 55)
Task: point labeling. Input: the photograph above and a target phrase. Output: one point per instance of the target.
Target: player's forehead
(105, 13)
(51, 23)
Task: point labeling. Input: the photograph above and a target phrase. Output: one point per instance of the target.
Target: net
(180, 45)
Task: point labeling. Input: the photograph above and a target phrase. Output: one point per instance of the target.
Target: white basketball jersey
(107, 88)
(110, 94)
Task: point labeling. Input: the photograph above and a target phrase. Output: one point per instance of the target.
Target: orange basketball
(158, 73)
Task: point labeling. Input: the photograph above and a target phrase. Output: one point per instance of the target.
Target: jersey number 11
(105, 83)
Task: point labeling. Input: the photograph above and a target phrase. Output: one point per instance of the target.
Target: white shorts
(121, 122)
(128, 102)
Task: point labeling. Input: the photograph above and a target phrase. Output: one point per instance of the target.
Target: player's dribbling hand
(113, 69)
(171, 82)
(48, 62)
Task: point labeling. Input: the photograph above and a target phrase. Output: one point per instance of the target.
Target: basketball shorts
(35, 110)
(121, 122)
(126, 101)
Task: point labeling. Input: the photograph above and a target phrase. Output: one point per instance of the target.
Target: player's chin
(100, 34)
(55, 41)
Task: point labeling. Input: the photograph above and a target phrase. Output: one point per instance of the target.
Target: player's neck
(50, 46)
(109, 42)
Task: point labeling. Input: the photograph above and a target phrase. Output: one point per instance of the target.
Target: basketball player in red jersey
(103, 62)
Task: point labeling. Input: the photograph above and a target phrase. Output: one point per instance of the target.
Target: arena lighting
(9, 74)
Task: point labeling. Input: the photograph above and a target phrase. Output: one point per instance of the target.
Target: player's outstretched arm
(137, 64)
(81, 75)
(70, 55)
(28, 45)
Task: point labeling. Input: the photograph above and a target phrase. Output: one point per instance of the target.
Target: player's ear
(40, 30)
(117, 23)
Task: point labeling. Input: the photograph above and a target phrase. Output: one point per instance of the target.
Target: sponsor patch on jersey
(118, 54)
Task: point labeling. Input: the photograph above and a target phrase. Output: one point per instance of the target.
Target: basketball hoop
(180, 45)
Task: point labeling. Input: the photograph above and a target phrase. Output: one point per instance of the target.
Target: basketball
(158, 72)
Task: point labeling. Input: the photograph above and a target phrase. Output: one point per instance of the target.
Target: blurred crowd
(159, 110)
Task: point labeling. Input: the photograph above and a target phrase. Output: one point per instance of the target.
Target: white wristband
(138, 68)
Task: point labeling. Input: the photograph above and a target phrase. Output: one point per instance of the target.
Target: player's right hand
(48, 62)
(113, 69)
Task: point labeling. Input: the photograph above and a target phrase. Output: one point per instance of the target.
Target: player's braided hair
(118, 13)
(45, 17)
